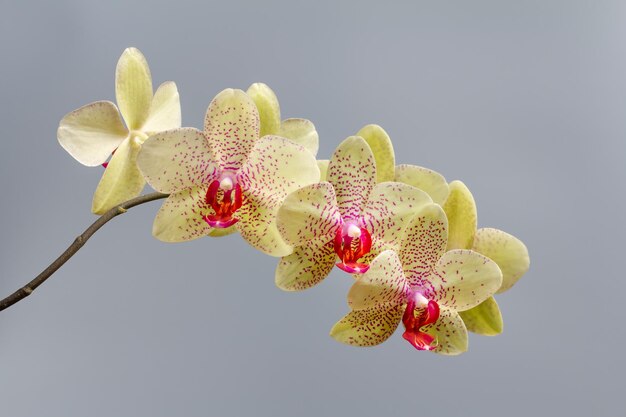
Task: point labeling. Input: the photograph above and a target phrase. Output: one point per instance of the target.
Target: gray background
(523, 101)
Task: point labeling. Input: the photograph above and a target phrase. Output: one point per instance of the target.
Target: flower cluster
(407, 236)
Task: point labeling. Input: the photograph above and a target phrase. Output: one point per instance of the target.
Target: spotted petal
(309, 213)
(384, 284)
(390, 208)
(301, 131)
(507, 251)
(177, 159)
(462, 279)
(424, 242)
(367, 327)
(164, 111)
(276, 167)
(352, 172)
(307, 266)
(461, 211)
(381, 146)
(424, 179)
(133, 88)
(92, 132)
(180, 217)
(450, 332)
(484, 319)
(231, 125)
(268, 107)
(121, 180)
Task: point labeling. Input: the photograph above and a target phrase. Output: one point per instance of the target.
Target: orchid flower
(349, 216)
(422, 286)
(301, 131)
(225, 176)
(95, 132)
(507, 251)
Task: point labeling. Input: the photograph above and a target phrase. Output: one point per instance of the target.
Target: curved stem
(78, 243)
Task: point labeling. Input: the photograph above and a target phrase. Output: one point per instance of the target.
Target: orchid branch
(78, 243)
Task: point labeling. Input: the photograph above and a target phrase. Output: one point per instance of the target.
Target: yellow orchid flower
(506, 250)
(421, 285)
(350, 216)
(95, 132)
(301, 131)
(225, 176)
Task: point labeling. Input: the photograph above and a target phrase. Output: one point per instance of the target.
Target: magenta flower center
(224, 197)
(420, 312)
(351, 243)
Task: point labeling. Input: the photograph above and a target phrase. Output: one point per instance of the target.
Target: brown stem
(78, 243)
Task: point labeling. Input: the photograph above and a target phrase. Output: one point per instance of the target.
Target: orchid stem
(78, 243)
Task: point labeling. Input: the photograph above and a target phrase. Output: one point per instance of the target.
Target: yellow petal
(133, 88)
(484, 319)
(309, 213)
(164, 111)
(121, 180)
(424, 179)
(390, 208)
(275, 167)
(231, 125)
(307, 266)
(450, 332)
(177, 159)
(462, 279)
(461, 211)
(423, 242)
(92, 132)
(352, 172)
(301, 131)
(507, 251)
(382, 148)
(384, 284)
(180, 217)
(367, 327)
(269, 109)
(322, 164)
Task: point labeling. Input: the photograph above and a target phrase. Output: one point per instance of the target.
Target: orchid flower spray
(96, 132)
(349, 218)
(422, 286)
(225, 175)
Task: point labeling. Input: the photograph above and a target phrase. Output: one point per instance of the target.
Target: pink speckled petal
(384, 283)
(367, 327)
(424, 242)
(484, 319)
(164, 111)
(462, 217)
(276, 167)
(507, 251)
(133, 88)
(92, 132)
(121, 180)
(307, 266)
(177, 159)
(424, 179)
(180, 217)
(382, 148)
(450, 332)
(352, 172)
(309, 213)
(390, 208)
(462, 279)
(231, 125)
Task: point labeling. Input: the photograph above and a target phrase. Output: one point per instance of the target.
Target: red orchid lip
(428, 314)
(224, 195)
(351, 243)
